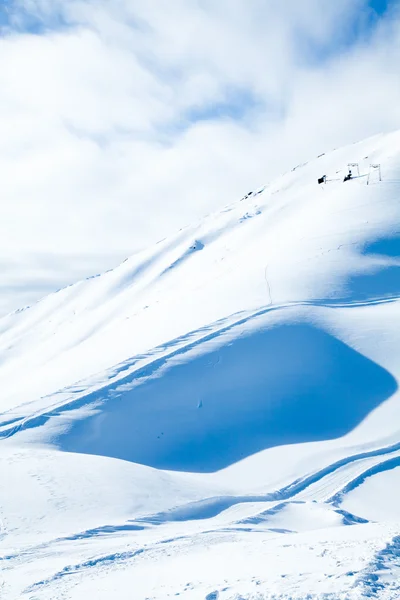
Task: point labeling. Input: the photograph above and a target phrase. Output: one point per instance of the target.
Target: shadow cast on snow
(284, 385)
(288, 384)
(384, 281)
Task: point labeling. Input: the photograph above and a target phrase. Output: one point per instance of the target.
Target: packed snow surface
(217, 418)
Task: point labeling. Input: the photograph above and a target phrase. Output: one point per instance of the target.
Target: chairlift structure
(374, 168)
(354, 166)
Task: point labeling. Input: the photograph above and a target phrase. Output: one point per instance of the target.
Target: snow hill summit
(217, 418)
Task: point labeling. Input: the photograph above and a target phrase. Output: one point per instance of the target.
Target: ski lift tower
(354, 166)
(373, 168)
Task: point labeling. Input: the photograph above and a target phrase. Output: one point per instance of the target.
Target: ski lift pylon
(354, 166)
(373, 167)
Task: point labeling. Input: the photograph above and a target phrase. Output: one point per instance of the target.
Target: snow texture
(217, 418)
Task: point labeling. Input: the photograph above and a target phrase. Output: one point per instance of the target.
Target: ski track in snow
(149, 526)
(385, 565)
(147, 364)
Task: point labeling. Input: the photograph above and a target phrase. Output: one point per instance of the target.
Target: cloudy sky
(123, 120)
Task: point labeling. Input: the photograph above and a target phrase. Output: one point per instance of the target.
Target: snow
(218, 416)
(376, 499)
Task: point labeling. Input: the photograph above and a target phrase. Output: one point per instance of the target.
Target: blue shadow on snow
(284, 385)
(380, 283)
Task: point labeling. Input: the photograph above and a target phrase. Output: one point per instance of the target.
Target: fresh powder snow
(218, 417)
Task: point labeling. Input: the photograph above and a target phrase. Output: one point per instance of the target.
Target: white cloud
(99, 149)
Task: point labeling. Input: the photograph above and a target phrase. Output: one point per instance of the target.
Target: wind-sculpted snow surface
(217, 418)
(264, 389)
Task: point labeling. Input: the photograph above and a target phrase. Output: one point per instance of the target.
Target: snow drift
(246, 371)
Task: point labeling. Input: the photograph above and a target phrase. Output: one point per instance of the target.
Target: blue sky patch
(15, 18)
(380, 6)
(238, 104)
(357, 25)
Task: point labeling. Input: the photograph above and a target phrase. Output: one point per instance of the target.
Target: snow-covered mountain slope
(246, 371)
